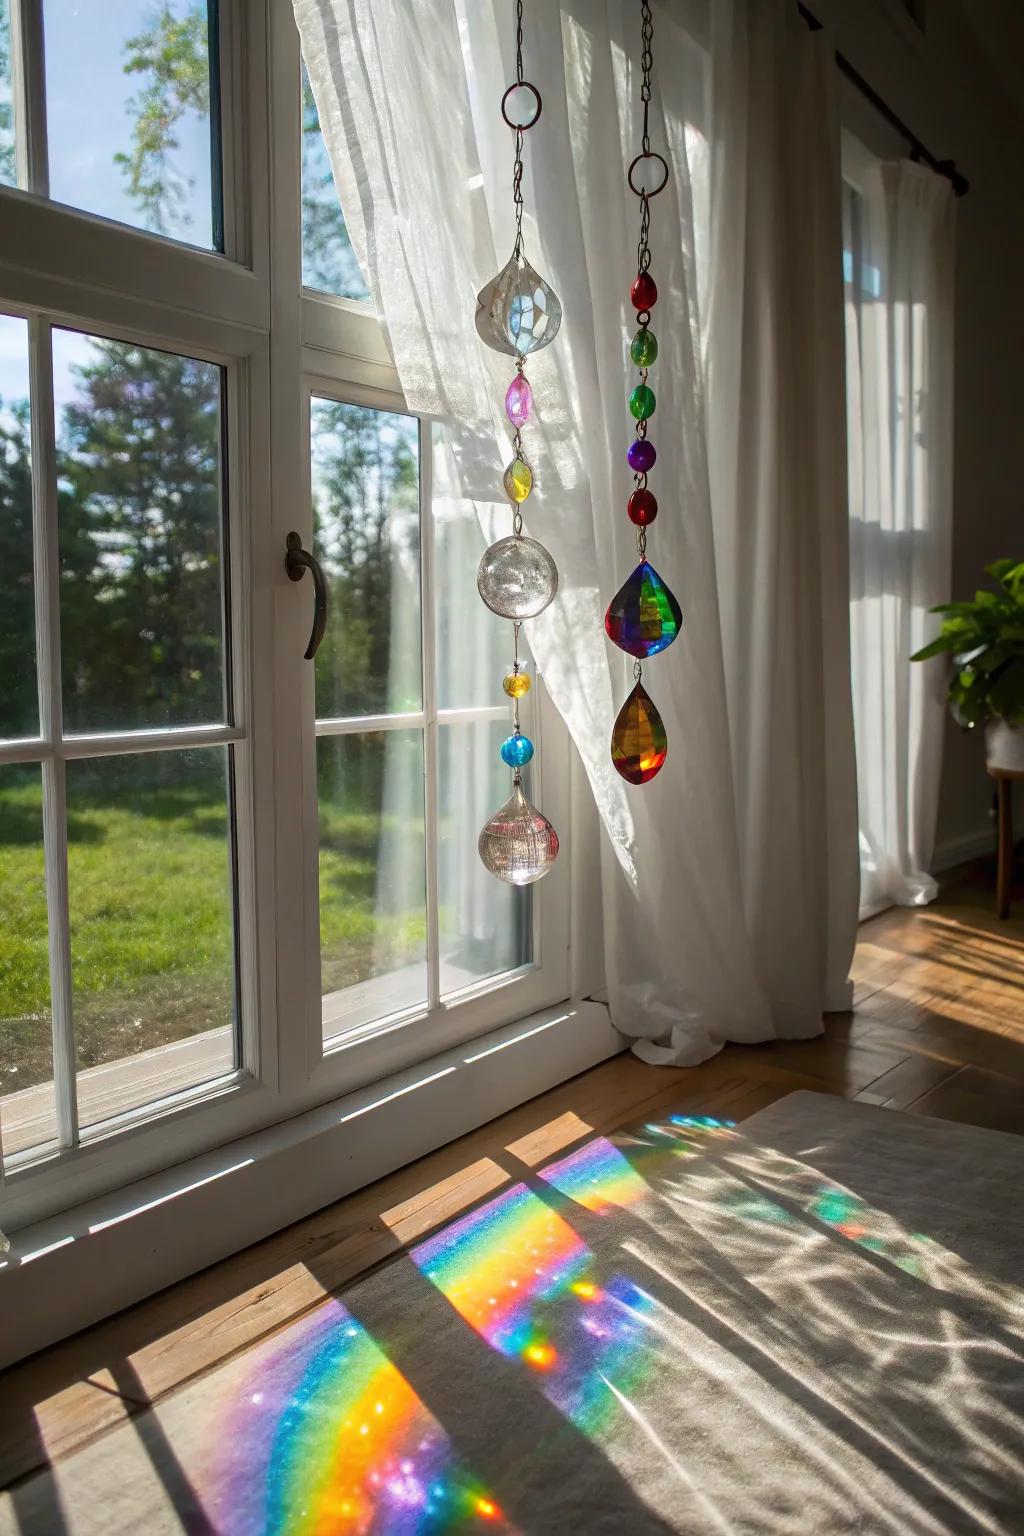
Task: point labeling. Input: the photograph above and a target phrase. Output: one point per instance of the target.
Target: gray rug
(811, 1324)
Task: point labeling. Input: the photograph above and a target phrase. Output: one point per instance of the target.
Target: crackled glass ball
(519, 400)
(518, 844)
(516, 684)
(642, 403)
(643, 349)
(644, 292)
(518, 480)
(517, 578)
(642, 507)
(641, 455)
(516, 750)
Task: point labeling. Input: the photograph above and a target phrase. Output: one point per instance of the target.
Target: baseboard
(74, 1269)
(959, 850)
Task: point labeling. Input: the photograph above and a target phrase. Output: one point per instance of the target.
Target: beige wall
(957, 88)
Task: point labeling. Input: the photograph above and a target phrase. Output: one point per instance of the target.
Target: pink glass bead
(519, 400)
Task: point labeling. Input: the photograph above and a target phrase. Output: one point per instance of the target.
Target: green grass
(151, 932)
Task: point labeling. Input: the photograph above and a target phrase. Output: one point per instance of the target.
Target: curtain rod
(947, 168)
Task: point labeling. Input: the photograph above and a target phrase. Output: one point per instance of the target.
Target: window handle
(296, 561)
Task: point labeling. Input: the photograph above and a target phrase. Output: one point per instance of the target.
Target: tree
(173, 56)
(18, 696)
(8, 164)
(140, 535)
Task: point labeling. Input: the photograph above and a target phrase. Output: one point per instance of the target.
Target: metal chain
(646, 65)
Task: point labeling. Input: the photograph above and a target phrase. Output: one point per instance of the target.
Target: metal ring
(643, 191)
(525, 85)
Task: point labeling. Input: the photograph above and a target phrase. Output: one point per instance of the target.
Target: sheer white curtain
(408, 94)
(899, 341)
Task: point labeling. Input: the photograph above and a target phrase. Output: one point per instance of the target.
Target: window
(232, 884)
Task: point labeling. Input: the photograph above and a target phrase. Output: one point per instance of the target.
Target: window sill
(69, 1271)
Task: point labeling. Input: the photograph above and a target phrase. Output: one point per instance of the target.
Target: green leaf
(935, 648)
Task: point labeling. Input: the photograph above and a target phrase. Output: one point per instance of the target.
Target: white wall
(955, 85)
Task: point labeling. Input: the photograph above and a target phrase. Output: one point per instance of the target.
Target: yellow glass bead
(518, 480)
(516, 684)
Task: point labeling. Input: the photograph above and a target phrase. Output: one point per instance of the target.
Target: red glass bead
(644, 292)
(642, 507)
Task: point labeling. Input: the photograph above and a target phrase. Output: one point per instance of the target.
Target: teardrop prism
(518, 844)
(643, 617)
(517, 311)
(639, 742)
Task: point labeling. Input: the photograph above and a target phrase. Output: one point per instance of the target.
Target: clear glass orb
(518, 844)
(517, 578)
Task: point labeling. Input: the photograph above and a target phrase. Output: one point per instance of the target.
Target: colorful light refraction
(643, 617)
(517, 314)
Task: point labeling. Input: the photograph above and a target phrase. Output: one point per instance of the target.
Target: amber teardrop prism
(639, 742)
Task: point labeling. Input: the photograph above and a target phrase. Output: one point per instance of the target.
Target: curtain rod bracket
(961, 186)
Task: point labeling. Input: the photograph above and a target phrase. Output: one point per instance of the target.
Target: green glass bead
(642, 402)
(643, 349)
(518, 480)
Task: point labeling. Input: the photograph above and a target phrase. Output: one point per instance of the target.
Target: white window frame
(63, 266)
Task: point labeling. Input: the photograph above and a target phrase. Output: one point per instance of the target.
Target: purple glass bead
(641, 455)
(519, 400)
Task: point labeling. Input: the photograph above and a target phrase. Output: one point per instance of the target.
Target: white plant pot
(1004, 746)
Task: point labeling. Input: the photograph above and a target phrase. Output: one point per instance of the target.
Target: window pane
(328, 261)
(473, 646)
(19, 701)
(8, 164)
(139, 482)
(27, 1115)
(128, 120)
(372, 876)
(486, 927)
(150, 887)
(367, 536)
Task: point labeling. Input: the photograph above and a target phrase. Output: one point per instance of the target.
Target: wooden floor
(937, 1028)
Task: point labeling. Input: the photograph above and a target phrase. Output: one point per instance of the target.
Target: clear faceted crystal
(517, 312)
(518, 844)
(517, 578)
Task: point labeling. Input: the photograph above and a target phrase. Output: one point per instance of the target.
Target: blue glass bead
(516, 750)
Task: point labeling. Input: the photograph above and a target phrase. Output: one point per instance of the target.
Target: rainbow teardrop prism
(639, 742)
(643, 617)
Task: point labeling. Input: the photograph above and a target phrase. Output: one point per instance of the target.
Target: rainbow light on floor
(525, 1281)
(345, 1444)
(598, 1177)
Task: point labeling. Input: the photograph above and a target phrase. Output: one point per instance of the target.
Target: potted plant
(985, 638)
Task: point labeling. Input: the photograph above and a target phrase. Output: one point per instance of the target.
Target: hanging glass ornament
(516, 750)
(519, 400)
(517, 578)
(518, 480)
(517, 683)
(643, 617)
(517, 312)
(639, 742)
(518, 844)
